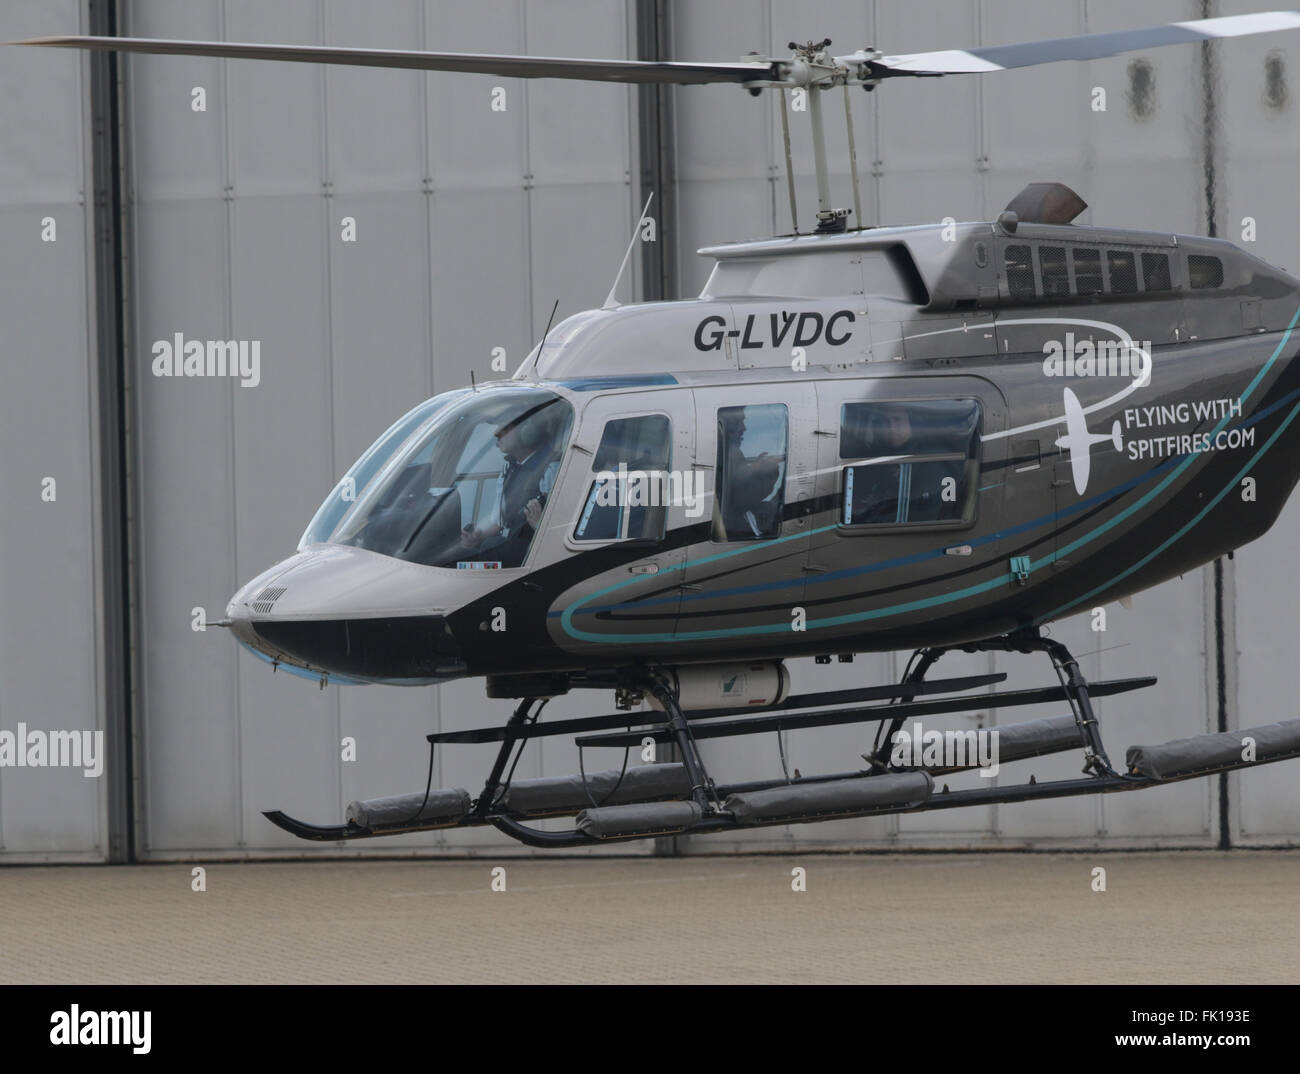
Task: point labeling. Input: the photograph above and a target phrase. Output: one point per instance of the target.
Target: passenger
(750, 501)
(903, 491)
(890, 429)
(880, 491)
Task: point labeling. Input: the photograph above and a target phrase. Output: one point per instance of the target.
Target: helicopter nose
(257, 598)
(351, 613)
(240, 620)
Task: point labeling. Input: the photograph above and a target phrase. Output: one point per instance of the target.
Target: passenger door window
(750, 472)
(629, 490)
(909, 462)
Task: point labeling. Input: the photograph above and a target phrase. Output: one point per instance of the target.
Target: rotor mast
(812, 70)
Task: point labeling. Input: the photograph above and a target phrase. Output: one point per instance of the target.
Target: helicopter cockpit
(459, 482)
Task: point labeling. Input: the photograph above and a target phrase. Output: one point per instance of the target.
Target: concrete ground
(1164, 917)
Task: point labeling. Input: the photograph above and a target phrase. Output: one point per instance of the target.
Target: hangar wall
(51, 677)
(470, 222)
(464, 218)
(931, 148)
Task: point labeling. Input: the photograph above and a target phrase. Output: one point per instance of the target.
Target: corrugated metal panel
(49, 636)
(1259, 117)
(463, 222)
(962, 148)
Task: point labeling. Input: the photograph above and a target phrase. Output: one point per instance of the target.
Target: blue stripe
(314, 676)
(1208, 507)
(888, 564)
(1178, 464)
(597, 384)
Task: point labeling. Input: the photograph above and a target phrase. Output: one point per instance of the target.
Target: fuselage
(871, 441)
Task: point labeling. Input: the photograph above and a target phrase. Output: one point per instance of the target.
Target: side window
(1204, 271)
(909, 462)
(1123, 272)
(1056, 277)
(1087, 271)
(1020, 271)
(1155, 272)
(628, 493)
(752, 444)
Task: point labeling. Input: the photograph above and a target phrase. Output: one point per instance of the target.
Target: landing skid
(681, 798)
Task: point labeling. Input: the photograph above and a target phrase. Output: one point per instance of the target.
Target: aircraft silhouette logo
(1078, 440)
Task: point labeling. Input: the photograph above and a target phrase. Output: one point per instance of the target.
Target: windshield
(466, 490)
(353, 484)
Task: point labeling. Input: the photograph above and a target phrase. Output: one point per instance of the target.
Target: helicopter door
(621, 502)
(744, 560)
(905, 481)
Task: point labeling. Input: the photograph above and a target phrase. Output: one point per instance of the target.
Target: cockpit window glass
(469, 490)
(353, 484)
(752, 444)
(627, 497)
(913, 462)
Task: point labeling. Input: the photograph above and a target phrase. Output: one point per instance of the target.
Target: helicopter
(936, 437)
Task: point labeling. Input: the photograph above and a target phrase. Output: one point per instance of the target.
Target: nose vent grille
(266, 599)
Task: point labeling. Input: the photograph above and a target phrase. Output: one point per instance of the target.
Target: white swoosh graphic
(1113, 329)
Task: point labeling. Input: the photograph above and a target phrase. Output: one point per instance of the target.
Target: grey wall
(930, 148)
(470, 224)
(464, 218)
(50, 676)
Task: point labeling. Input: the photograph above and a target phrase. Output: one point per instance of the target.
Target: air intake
(266, 599)
(1046, 203)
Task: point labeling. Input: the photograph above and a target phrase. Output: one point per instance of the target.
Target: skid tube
(674, 725)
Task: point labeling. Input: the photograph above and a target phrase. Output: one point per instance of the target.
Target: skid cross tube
(1076, 688)
(520, 716)
(1096, 760)
(911, 681)
(700, 782)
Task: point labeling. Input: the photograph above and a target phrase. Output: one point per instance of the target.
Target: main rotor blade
(1081, 47)
(685, 74)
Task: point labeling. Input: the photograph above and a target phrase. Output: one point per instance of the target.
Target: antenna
(545, 333)
(611, 302)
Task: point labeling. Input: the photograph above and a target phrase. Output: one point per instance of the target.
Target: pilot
(750, 504)
(532, 458)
